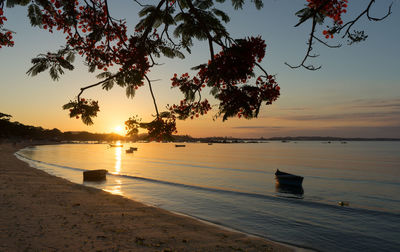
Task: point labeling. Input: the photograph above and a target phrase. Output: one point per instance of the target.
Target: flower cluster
(86, 109)
(5, 35)
(332, 9)
(190, 109)
(102, 40)
(88, 29)
(234, 65)
(161, 128)
(228, 75)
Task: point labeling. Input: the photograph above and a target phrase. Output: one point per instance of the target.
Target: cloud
(294, 108)
(376, 103)
(258, 127)
(346, 116)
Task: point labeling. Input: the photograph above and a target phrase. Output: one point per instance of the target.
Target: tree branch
(152, 95)
(309, 49)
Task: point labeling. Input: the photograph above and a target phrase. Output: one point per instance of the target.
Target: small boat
(284, 178)
(116, 145)
(131, 149)
(180, 145)
(289, 191)
(210, 143)
(95, 175)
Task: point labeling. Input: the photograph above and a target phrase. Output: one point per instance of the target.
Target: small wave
(18, 155)
(353, 180)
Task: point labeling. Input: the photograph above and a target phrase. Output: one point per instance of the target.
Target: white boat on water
(116, 145)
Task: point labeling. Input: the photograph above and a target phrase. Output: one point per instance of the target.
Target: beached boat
(116, 145)
(95, 175)
(284, 178)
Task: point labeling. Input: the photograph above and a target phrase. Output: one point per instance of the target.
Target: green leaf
(222, 15)
(258, 3)
(35, 15)
(165, 114)
(70, 57)
(108, 84)
(54, 74)
(130, 91)
(104, 75)
(12, 3)
(39, 65)
(86, 119)
(204, 4)
(237, 4)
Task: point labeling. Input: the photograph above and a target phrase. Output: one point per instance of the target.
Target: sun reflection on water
(118, 156)
(115, 189)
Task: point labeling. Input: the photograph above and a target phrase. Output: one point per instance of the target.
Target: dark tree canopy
(233, 75)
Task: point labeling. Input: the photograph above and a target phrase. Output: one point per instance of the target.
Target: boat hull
(94, 175)
(288, 179)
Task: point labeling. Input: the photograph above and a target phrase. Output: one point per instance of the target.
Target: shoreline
(43, 212)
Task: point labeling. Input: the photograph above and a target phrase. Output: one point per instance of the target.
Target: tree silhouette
(124, 55)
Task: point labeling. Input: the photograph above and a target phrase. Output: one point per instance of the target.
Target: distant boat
(180, 145)
(284, 178)
(116, 145)
(131, 149)
(210, 143)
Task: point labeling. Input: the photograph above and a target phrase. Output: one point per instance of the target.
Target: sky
(356, 93)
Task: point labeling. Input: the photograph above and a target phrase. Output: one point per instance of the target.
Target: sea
(349, 200)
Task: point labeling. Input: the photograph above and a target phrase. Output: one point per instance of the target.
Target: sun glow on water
(118, 152)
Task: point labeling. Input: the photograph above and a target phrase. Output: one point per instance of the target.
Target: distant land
(283, 139)
(15, 131)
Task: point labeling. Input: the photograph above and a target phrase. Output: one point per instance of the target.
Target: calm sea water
(233, 185)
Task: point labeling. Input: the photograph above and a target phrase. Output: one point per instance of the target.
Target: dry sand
(41, 212)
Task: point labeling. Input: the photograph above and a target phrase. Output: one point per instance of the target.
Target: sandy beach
(41, 212)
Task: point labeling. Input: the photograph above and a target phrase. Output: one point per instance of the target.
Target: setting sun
(119, 130)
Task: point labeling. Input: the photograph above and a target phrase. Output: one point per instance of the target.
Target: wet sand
(41, 212)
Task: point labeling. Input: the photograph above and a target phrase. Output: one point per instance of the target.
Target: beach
(41, 212)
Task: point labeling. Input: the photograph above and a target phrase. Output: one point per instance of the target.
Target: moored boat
(180, 145)
(284, 178)
(131, 149)
(116, 145)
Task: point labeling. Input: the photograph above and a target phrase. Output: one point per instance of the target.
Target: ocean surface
(233, 185)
